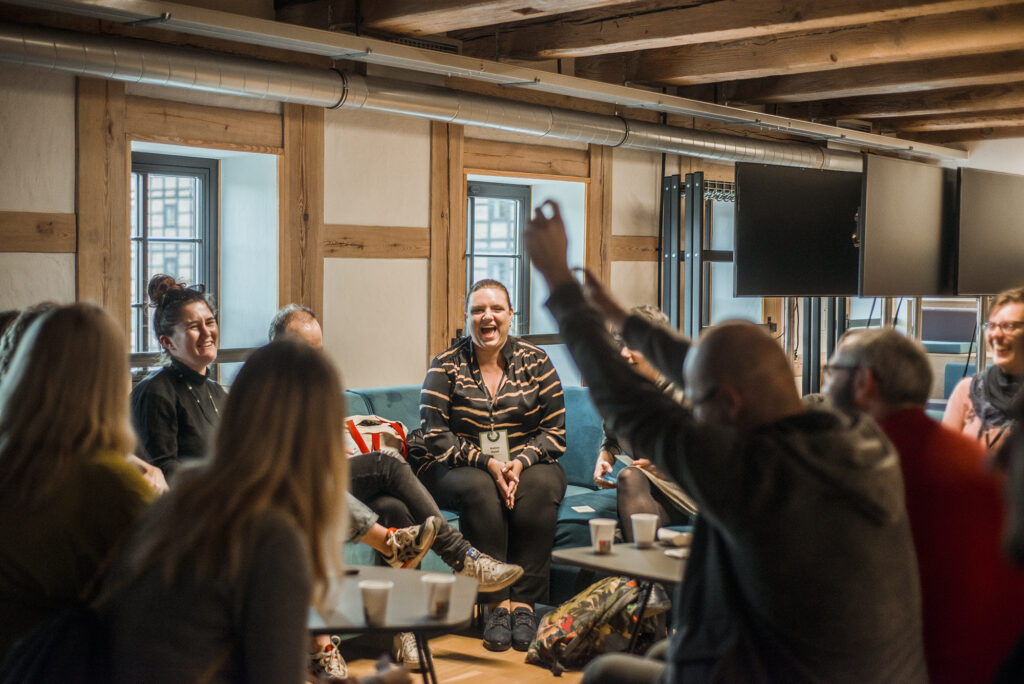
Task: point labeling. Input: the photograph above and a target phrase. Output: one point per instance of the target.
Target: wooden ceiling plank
(713, 21)
(961, 137)
(921, 124)
(962, 33)
(932, 74)
(432, 17)
(937, 102)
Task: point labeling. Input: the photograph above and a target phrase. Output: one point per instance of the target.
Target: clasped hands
(506, 476)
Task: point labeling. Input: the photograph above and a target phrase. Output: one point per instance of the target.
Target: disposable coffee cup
(375, 600)
(602, 534)
(645, 525)
(439, 594)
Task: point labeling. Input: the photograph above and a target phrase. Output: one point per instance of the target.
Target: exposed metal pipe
(137, 61)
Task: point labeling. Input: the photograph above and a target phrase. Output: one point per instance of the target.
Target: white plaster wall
(636, 192)
(998, 155)
(376, 169)
(30, 278)
(635, 282)
(375, 320)
(37, 173)
(37, 140)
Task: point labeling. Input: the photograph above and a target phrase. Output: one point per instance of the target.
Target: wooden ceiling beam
(706, 22)
(961, 137)
(937, 102)
(922, 124)
(962, 33)
(931, 74)
(431, 17)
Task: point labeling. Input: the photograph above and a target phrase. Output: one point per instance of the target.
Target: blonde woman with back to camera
(217, 583)
(68, 496)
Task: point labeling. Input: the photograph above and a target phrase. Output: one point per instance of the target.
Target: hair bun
(159, 285)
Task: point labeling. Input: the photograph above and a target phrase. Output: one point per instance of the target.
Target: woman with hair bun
(175, 408)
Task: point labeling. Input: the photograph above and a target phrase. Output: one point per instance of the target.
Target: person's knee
(630, 479)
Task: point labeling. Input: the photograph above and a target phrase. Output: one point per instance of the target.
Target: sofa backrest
(583, 432)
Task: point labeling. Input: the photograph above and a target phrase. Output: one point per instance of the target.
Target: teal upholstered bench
(583, 440)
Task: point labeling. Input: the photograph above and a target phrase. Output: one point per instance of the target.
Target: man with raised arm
(802, 567)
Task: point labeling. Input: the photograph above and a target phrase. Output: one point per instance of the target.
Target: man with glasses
(971, 596)
(802, 566)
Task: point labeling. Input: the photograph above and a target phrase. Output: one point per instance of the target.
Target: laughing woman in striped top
(493, 418)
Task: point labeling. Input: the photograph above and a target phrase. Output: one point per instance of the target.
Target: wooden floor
(462, 658)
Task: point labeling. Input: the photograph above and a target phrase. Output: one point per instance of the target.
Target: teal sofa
(583, 440)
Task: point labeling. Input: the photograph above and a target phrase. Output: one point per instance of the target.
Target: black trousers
(388, 486)
(524, 535)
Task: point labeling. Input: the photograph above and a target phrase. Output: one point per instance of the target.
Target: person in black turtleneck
(175, 409)
(980, 405)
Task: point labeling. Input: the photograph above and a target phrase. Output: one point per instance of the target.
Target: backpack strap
(358, 438)
(401, 433)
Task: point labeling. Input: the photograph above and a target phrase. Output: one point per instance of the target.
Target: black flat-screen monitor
(991, 239)
(907, 229)
(795, 231)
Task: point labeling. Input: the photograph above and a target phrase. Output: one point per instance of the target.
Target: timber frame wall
(107, 121)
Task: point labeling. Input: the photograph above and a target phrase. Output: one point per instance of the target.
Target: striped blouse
(455, 406)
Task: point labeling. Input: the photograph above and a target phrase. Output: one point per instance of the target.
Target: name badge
(494, 443)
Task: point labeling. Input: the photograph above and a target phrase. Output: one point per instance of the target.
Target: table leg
(645, 595)
(426, 659)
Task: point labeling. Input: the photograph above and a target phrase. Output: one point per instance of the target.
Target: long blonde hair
(279, 447)
(63, 398)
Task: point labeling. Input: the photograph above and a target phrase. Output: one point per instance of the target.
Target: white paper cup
(375, 600)
(602, 534)
(439, 593)
(644, 527)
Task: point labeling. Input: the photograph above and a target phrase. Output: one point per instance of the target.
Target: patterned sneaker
(491, 573)
(404, 647)
(328, 661)
(409, 544)
(524, 628)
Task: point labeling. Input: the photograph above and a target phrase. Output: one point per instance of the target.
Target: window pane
(178, 259)
(723, 231)
(173, 206)
(494, 226)
(136, 190)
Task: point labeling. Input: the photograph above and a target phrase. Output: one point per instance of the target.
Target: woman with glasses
(175, 408)
(980, 406)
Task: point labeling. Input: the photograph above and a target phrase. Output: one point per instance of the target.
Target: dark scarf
(992, 394)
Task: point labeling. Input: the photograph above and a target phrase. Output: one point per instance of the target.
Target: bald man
(802, 566)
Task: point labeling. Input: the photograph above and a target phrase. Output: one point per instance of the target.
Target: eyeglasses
(831, 368)
(1006, 327)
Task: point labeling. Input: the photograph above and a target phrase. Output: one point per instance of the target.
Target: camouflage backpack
(597, 620)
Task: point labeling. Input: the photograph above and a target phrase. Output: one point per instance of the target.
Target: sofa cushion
(400, 402)
(583, 437)
(355, 404)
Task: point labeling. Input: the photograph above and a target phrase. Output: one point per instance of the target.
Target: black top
(174, 411)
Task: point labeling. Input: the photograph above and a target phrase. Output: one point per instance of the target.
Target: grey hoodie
(802, 567)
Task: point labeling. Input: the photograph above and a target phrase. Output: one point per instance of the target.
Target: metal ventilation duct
(138, 61)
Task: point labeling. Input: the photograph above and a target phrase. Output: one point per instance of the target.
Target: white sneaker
(490, 573)
(405, 652)
(328, 661)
